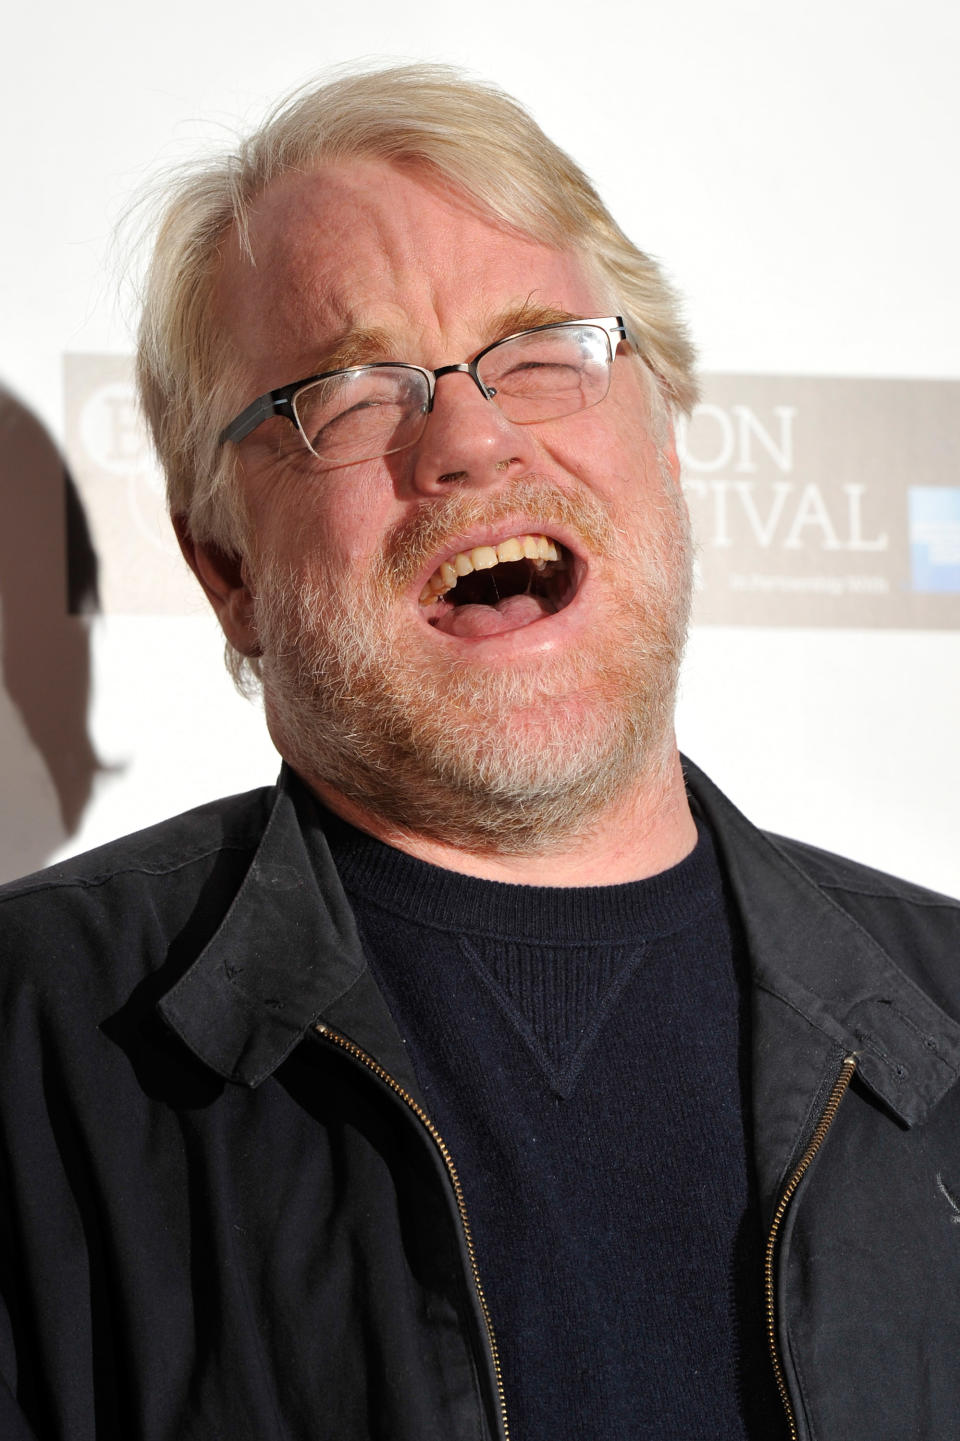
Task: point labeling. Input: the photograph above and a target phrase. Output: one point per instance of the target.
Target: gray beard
(487, 761)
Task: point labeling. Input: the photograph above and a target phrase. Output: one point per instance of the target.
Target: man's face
(509, 715)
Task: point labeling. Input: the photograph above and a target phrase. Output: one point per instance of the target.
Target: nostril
(451, 475)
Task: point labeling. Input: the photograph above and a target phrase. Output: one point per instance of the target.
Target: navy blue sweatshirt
(581, 1051)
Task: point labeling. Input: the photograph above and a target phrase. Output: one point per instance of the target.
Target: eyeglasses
(368, 411)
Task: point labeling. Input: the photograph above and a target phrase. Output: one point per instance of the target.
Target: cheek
(612, 452)
(307, 522)
(356, 514)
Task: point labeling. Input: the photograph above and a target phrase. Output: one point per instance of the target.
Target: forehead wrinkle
(317, 298)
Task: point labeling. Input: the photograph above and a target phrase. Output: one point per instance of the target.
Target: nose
(468, 440)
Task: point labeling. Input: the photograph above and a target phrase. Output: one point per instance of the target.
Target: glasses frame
(281, 401)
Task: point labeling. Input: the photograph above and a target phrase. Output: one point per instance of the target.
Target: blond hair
(469, 135)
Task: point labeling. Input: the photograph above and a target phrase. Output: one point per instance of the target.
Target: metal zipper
(816, 1141)
(441, 1145)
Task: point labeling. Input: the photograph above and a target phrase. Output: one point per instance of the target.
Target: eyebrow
(358, 346)
(364, 344)
(526, 317)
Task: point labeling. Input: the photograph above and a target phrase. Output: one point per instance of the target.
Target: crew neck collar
(435, 896)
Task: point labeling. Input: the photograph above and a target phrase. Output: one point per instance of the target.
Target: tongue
(508, 614)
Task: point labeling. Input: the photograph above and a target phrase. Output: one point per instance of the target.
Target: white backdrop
(795, 168)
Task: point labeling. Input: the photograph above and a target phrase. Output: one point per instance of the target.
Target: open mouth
(494, 588)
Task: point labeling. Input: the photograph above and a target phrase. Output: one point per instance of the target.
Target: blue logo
(935, 538)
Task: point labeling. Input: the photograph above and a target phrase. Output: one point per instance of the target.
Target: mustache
(413, 542)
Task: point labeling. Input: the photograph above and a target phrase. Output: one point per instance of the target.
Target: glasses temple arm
(274, 403)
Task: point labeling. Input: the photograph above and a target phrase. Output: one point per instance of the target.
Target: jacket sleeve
(21, 1129)
(12, 1425)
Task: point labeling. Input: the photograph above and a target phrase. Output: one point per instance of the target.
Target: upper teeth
(484, 557)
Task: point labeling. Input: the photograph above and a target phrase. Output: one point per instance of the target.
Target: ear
(665, 438)
(223, 577)
(669, 452)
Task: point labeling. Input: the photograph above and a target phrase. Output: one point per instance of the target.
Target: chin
(483, 770)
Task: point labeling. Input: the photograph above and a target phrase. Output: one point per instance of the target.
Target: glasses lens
(545, 374)
(362, 414)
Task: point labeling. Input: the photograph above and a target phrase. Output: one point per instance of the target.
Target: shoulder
(168, 846)
(857, 888)
(118, 909)
(857, 885)
(798, 896)
(919, 928)
(916, 929)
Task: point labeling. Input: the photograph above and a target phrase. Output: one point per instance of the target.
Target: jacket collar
(817, 958)
(288, 954)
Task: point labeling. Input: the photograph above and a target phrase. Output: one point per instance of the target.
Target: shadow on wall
(48, 591)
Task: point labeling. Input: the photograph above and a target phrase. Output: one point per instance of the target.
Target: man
(490, 1076)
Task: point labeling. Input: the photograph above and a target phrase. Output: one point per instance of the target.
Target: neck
(647, 832)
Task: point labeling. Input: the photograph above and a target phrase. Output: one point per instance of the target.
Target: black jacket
(224, 1213)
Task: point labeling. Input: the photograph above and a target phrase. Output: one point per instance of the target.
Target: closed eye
(535, 376)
